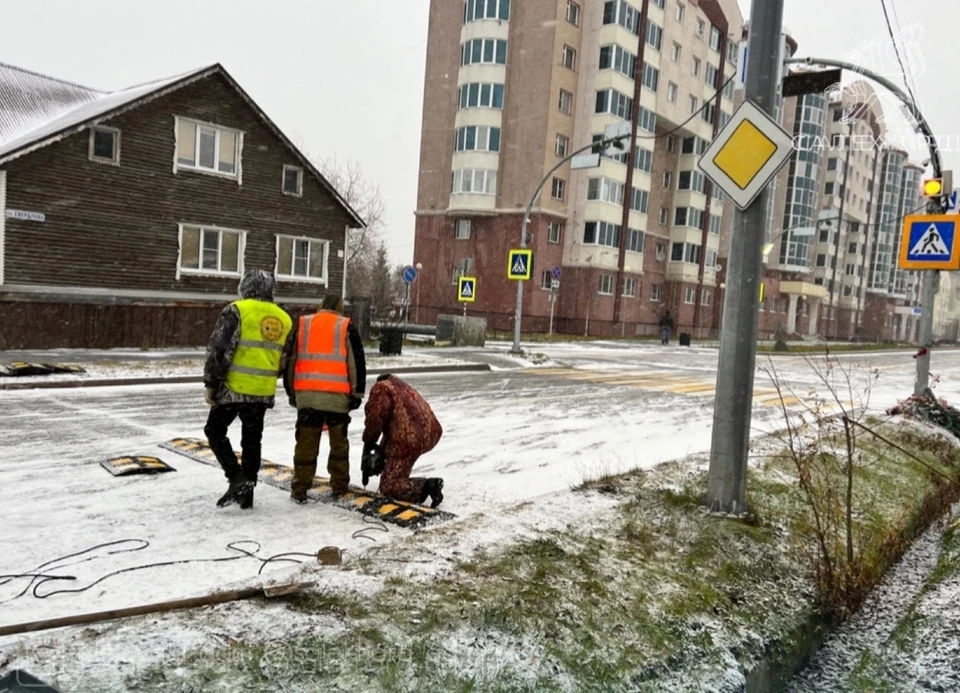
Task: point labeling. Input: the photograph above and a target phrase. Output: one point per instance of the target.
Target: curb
(192, 379)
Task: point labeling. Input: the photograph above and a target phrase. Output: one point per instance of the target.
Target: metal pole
(553, 301)
(727, 479)
(418, 301)
(928, 297)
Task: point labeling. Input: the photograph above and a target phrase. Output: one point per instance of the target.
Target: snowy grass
(639, 589)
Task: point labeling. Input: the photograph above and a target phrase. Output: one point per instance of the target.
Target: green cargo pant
(310, 424)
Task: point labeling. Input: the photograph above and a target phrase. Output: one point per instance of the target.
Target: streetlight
(799, 232)
(419, 266)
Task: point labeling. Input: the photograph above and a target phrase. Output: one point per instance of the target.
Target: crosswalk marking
(667, 381)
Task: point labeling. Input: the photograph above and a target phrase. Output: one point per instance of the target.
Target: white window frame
(562, 189)
(701, 28)
(695, 66)
(462, 225)
(569, 95)
(676, 52)
(573, 9)
(690, 295)
(656, 293)
(201, 271)
(562, 151)
(115, 161)
(177, 166)
(283, 181)
(546, 280)
(568, 57)
(554, 231)
(672, 91)
(606, 282)
(680, 13)
(629, 287)
(322, 242)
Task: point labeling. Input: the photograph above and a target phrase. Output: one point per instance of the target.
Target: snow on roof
(28, 100)
(55, 110)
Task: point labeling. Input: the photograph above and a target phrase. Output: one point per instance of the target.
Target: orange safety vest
(322, 357)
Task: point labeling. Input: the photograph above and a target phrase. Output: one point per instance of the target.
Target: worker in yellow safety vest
(325, 377)
(240, 377)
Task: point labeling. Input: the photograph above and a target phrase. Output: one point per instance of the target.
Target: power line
(896, 20)
(896, 49)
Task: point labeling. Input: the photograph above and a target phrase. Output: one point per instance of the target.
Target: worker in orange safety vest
(324, 375)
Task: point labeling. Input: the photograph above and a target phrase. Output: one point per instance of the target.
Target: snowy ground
(511, 435)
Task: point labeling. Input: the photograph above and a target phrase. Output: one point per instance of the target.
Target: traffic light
(933, 187)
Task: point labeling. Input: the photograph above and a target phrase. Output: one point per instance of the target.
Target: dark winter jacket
(402, 416)
(226, 337)
(325, 401)
(666, 322)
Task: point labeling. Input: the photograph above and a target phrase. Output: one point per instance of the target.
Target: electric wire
(896, 49)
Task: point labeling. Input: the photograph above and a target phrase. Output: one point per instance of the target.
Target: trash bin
(685, 339)
(391, 341)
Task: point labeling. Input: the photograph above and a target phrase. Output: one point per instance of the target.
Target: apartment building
(513, 88)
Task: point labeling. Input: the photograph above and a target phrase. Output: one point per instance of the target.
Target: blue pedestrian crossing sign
(467, 289)
(929, 242)
(520, 264)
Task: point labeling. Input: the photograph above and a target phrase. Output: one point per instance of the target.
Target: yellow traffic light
(933, 187)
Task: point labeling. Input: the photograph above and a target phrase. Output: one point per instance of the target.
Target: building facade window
(463, 229)
(483, 52)
(668, 179)
(710, 75)
(606, 285)
(601, 233)
(568, 58)
(475, 10)
(573, 13)
(635, 238)
(562, 145)
(475, 181)
(302, 259)
(691, 180)
(656, 292)
(690, 217)
(701, 27)
(293, 181)
(613, 102)
(680, 12)
(675, 52)
(651, 77)
(672, 90)
(629, 287)
(208, 148)
(566, 101)
(554, 232)
(480, 95)
(803, 187)
(104, 145)
(663, 216)
(622, 13)
(558, 189)
(654, 35)
(605, 190)
(690, 295)
(695, 67)
(210, 250)
(639, 199)
(546, 280)
(714, 38)
(693, 106)
(614, 57)
(478, 138)
(643, 160)
(715, 221)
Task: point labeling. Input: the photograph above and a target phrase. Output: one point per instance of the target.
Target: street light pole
(600, 146)
(727, 479)
(419, 267)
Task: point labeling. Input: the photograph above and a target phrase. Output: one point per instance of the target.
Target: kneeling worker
(409, 428)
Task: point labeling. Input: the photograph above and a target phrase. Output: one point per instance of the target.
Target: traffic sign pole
(727, 477)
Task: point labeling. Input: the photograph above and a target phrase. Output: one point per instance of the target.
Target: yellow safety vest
(255, 366)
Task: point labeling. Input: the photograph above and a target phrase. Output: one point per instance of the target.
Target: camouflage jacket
(402, 416)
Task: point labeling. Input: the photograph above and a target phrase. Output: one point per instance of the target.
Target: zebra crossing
(670, 381)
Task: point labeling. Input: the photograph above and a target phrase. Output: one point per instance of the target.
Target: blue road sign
(929, 241)
(409, 274)
(953, 201)
(520, 264)
(556, 273)
(467, 289)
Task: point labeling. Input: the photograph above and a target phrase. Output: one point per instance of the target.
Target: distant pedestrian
(240, 380)
(666, 327)
(410, 429)
(325, 377)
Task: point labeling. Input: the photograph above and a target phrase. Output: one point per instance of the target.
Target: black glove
(355, 402)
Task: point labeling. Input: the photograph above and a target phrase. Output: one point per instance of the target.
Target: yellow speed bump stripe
(136, 464)
(356, 499)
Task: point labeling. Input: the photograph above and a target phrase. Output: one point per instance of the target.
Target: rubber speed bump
(23, 369)
(356, 499)
(136, 464)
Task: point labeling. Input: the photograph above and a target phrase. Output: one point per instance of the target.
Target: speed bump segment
(355, 499)
(136, 464)
(746, 154)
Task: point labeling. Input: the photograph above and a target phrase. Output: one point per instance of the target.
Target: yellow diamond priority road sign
(746, 154)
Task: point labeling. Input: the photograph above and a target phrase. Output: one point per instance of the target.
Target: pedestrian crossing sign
(929, 242)
(520, 264)
(467, 289)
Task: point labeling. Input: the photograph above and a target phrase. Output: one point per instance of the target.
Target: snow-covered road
(510, 435)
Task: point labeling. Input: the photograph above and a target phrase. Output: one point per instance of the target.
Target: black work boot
(236, 493)
(432, 489)
(245, 495)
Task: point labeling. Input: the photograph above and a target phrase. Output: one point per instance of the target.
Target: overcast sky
(345, 78)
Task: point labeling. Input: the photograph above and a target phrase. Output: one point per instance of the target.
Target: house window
(693, 105)
(651, 77)
(292, 180)
(563, 144)
(690, 295)
(481, 95)
(569, 59)
(566, 101)
(554, 232)
(210, 148)
(476, 181)
(463, 229)
(483, 52)
(656, 292)
(671, 144)
(705, 297)
(302, 259)
(710, 75)
(654, 36)
(546, 280)
(663, 216)
(680, 12)
(701, 28)
(105, 145)
(675, 52)
(629, 287)
(491, 9)
(668, 179)
(714, 38)
(695, 67)
(606, 285)
(558, 189)
(479, 138)
(672, 90)
(208, 250)
(661, 250)
(573, 13)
